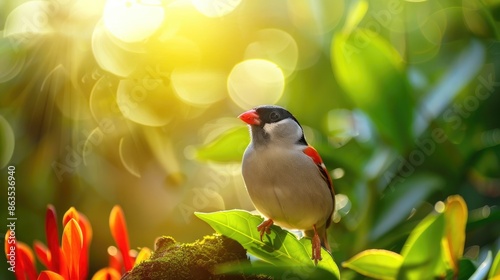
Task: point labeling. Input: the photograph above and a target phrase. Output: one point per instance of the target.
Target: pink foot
(316, 247)
(265, 227)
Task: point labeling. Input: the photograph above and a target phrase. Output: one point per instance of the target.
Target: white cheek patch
(270, 127)
(287, 130)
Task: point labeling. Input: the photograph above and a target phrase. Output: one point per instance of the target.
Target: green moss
(173, 260)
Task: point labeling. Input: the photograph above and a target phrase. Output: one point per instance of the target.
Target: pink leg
(316, 246)
(265, 227)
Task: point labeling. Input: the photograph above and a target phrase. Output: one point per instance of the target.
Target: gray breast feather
(283, 184)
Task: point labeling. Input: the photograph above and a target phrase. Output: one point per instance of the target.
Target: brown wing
(311, 152)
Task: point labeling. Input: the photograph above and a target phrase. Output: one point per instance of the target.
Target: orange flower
(107, 273)
(49, 275)
(19, 257)
(86, 230)
(119, 232)
(66, 261)
(72, 244)
(51, 234)
(69, 259)
(115, 258)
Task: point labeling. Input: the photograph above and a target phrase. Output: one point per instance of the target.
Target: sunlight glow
(11, 63)
(343, 206)
(338, 173)
(439, 207)
(215, 8)
(28, 19)
(101, 101)
(127, 151)
(199, 87)
(255, 81)
(145, 102)
(316, 17)
(110, 56)
(132, 21)
(277, 46)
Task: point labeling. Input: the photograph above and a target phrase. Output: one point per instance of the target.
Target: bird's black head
(272, 114)
(270, 121)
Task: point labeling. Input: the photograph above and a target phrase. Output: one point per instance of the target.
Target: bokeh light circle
(215, 8)
(28, 19)
(133, 21)
(146, 101)
(254, 82)
(277, 46)
(128, 154)
(110, 56)
(316, 17)
(199, 87)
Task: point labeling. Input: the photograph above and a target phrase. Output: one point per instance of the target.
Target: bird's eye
(274, 116)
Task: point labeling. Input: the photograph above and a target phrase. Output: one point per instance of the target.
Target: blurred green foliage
(134, 103)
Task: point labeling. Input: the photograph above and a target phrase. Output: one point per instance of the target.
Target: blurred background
(135, 103)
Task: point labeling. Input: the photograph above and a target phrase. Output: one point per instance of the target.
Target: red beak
(250, 117)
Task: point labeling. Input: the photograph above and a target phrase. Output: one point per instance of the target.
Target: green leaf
(279, 248)
(356, 14)
(327, 263)
(375, 263)
(466, 269)
(495, 267)
(371, 73)
(277, 272)
(227, 147)
(422, 250)
(482, 269)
